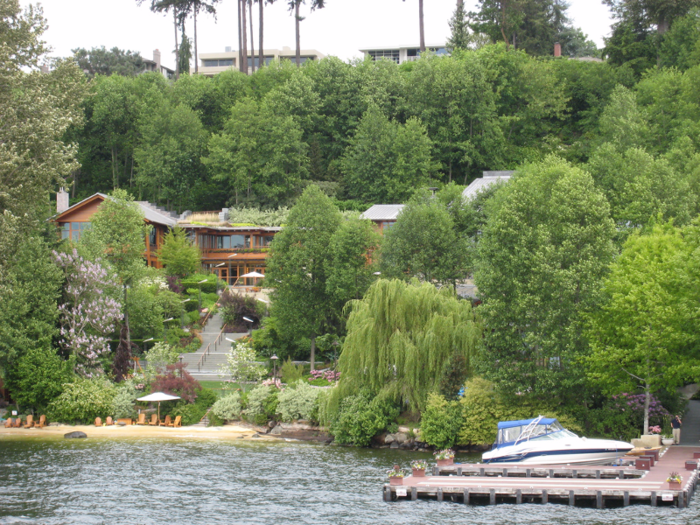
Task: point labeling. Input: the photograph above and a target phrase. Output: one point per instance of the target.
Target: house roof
(151, 212)
(383, 212)
(489, 178)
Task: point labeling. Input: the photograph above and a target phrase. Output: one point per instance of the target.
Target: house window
(223, 62)
(266, 240)
(389, 54)
(73, 230)
(152, 237)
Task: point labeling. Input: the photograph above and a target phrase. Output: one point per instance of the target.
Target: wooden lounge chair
(142, 420)
(8, 422)
(98, 421)
(168, 422)
(154, 420)
(30, 421)
(18, 423)
(41, 423)
(178, 421)
(109, 421)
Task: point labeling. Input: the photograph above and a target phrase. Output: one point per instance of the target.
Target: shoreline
(136, 431)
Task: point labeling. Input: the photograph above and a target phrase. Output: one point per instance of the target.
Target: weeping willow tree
(401, 340)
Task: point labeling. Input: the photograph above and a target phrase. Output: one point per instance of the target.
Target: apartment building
(402, 54)
(214, 63)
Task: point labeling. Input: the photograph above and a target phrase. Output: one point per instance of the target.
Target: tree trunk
(297, 22)
(177, 49)
(313, 352)
(244, 37)
(422, 26)
(115, 173)
(260, 50)
(252, 38)
(126, 317)
(240, 44)
(503, 24)
(196, 59)
(647, 395)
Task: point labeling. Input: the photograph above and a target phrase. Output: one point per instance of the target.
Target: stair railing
(203, 358)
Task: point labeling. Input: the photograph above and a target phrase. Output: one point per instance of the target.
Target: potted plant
(667, 439)
(396, 475)
(418, 466)
(674, 481)
(445, 457)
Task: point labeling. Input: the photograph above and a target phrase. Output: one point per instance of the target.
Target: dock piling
(545, 497)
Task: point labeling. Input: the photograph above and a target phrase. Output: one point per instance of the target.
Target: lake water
(149, 481)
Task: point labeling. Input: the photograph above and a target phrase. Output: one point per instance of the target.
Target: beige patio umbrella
(158, 396)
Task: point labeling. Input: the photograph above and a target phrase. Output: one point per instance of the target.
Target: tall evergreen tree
(459, 39)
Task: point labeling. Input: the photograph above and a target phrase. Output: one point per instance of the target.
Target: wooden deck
(597, 487)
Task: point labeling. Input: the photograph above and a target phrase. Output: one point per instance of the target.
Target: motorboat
(543, 441)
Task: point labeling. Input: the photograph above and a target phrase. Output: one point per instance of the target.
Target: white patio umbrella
(158, 396)
(253, 274)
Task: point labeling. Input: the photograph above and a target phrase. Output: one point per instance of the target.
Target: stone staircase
(216, 349)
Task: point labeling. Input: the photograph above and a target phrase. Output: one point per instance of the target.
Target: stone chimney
(557, 49)
(156, 59)
(62, 201)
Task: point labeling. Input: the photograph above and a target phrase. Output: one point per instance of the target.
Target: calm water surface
(150, 481)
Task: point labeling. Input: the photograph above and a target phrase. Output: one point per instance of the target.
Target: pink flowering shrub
(88, 315)
(622, 416)
(319, 376)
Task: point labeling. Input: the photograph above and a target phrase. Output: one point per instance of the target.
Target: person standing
(676, 425)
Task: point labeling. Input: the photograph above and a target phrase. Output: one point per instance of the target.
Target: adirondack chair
(168, 422)
(142, 420)
(41, 423)
(98, 421)
(109, 421)
(30, 421)
(18, 423)
(178, 422)
(8, 422)
(154, 420)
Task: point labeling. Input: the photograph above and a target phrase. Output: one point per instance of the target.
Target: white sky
(340, 29)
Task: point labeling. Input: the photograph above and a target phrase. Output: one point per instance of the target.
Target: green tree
(294, 6)
(115, 61)
(460, 38)
(36, 377)
(386, 161)
(642, 336)
(399, 336)
(299, 266)
(681, 44)
(184, 57)
(543, 251)
(178, 254)
(423, 243)
(118, 236)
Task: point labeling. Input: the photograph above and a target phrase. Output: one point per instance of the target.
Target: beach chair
(142, 420)
(98, 421)
(168, 422)
(178, 421)
(109, 421)
(8, 422)
(18, 423)
(30, 421)
(154, 420)
(41, 423)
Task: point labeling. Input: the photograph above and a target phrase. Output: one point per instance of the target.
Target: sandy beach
(137, 431)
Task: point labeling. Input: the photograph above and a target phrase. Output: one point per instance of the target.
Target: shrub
(124, 400)
(358, 419)
(82, 401)
(214, 420)
(228, 408)
(298, 402)
(291, 373)
(177, 382)
(234, 307)
(241, 363)
(194, 280)
(171, 303)
(622, 416)
(192, 413)
(36, 375)
(159, 357)
(440, 422)
(262, 404)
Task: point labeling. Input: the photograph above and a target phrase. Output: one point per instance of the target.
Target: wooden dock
(596, 487)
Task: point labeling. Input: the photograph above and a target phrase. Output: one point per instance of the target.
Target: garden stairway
(215, 347)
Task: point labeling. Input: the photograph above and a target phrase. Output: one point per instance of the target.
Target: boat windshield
(554, 430)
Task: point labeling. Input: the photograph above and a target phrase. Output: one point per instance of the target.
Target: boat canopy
(524, 422)
(512, 432)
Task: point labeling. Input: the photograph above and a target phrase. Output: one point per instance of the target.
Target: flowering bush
(674, 477)
(241, 363)
(444, 454)
(159, 357)
(262, 404)
(419, 464)
(655, 430)
(396, 473)
(623, 416)
(273, 382)
(298, 402)
(323, 377)
(88, 315)
(228, 408)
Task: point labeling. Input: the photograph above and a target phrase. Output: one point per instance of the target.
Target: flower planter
(667, 441)
(395, 481)
(672, 485)
(445, 462)
(418, 472)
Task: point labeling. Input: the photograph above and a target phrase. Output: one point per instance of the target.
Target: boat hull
(583, 452)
